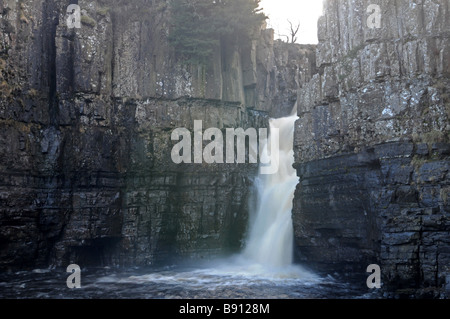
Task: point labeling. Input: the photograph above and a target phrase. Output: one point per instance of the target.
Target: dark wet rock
(371, 146)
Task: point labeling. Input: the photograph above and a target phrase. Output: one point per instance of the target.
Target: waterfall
(270, 238)
(264, 267)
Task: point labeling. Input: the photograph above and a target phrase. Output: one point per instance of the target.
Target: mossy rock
(5, 88)
(33, 93)
(432, 137)
(23, 18)
(103, 11)
(86, 20)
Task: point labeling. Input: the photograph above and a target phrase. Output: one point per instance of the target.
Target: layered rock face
(372, 145)
(86, 117)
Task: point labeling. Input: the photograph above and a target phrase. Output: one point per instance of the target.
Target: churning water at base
(229, 281)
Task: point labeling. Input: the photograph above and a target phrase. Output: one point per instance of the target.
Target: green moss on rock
(86, 20)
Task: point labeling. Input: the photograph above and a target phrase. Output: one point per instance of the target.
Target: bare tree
(294, 31)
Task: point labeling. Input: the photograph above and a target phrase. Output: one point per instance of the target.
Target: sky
(304, 11)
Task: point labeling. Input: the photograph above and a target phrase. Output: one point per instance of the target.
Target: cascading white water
(270, 240)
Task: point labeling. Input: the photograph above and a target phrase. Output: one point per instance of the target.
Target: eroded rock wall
(372, 145)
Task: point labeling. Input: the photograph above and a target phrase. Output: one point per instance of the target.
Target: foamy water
(207, 281)
(234, 271)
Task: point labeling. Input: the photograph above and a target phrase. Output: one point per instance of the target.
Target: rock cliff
(86, 117)
(372, 145)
